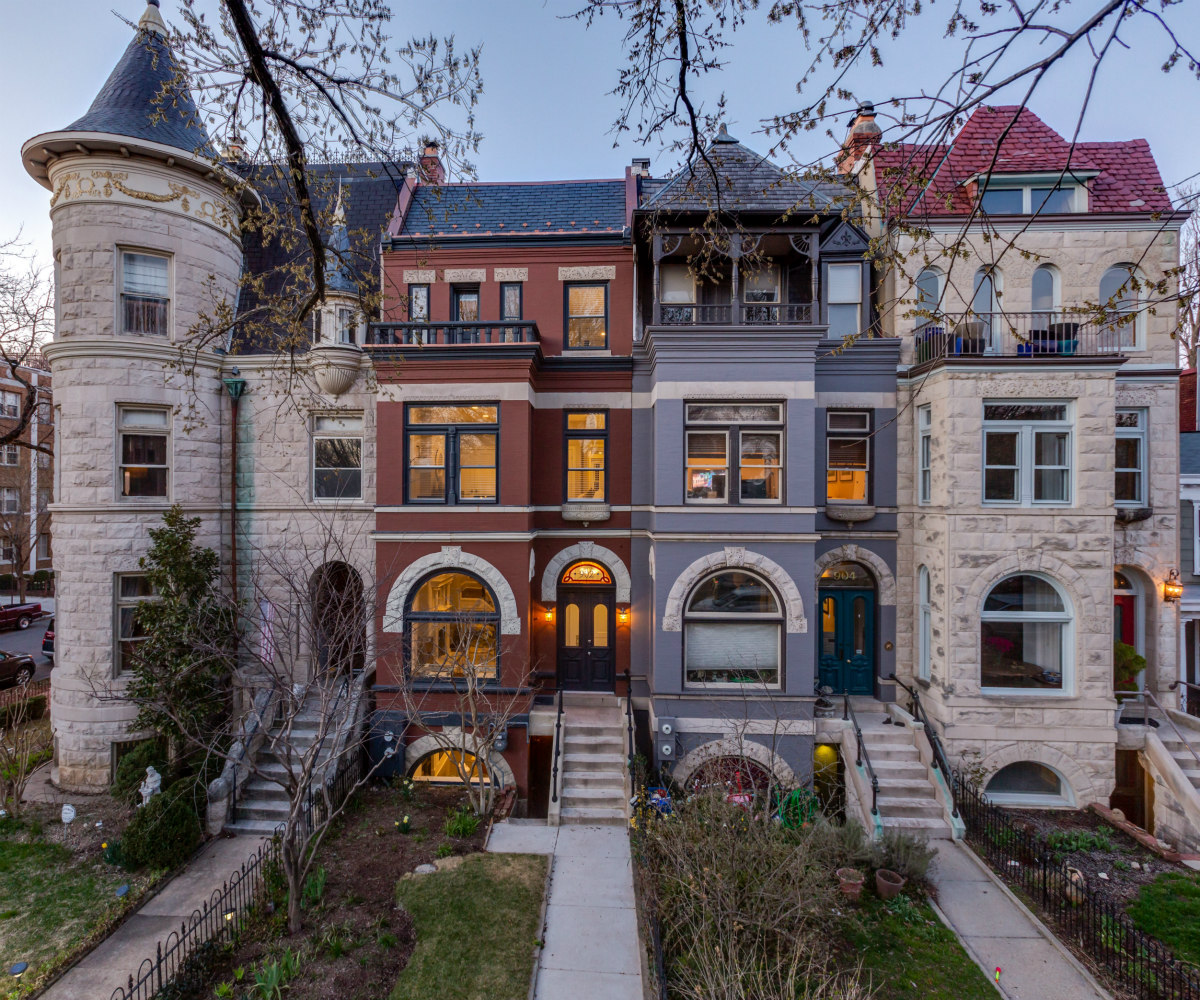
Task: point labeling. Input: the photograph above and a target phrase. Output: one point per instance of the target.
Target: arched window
(1027, 782)
(925, 621)
(1044, 295)
(1025, 632)
(985, 302)
(453, 626)
(450, 767)
(732, 632)
(1119, 298)
(929, 289)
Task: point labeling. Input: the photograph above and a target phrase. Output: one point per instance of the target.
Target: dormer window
(1052, 196)
(346, 325)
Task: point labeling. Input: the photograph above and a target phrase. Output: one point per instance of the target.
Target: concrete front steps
(592, 781)
(1180, 752)
(908, 799)
(262, 803)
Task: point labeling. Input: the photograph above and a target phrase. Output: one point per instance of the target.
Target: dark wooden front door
(846, 660)
(585, 639)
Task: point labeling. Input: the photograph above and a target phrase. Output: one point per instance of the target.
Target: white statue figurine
(151, 786)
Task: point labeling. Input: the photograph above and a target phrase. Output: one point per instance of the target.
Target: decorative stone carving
(885, 581)
(335, 367)
(451, 557)
(475, 274)
(850, 514)
(735, 558)
(597, 272)
(586, 512)
(421, 277)
(585, 550)
(510, 274)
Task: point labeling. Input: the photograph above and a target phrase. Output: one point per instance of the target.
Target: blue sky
(546, 111)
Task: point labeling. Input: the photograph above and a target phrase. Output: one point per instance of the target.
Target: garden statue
(151, 786)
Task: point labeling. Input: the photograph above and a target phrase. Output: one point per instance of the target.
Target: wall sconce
(623, 616)
(1172, 587)
(548, 614)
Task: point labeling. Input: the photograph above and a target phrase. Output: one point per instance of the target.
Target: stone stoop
(262, 804)
(908, 798)
(1179, 751)
(593, 762)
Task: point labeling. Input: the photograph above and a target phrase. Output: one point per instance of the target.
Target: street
(29, 641)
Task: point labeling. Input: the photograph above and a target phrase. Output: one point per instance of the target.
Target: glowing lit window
(450, 767)
(586, 572)
(453, 625)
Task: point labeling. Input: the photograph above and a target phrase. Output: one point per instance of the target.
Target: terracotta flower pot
(851, 882)
(888, 884)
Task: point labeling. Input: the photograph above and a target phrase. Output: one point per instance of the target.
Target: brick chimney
(863, 135)
(432, 171)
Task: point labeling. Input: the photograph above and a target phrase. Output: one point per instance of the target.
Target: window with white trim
(1025, 636)
(733, 631)
(1120, 298)
(8, 551)
(10, 500)
(734, 442)
(843, 290)
(924, 454)
(43, 546)
(925, 627)
(1027, 782)
(1036, 198)
(130, 590)
(143, 449)
(10, 404)
(1129, 488)
(337, 456)
(145, 292)
(1027, 453)
(10, 454)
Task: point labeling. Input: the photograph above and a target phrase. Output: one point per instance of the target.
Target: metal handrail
(1142, 696)
(557, 750)
(1187, 684)
(864, 757)
(629, 713)
(940, 760)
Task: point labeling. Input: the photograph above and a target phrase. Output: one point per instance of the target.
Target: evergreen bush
(165, 832)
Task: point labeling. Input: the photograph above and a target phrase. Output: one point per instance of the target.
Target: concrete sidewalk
(591, 947)
(997, 930)
(111, 964)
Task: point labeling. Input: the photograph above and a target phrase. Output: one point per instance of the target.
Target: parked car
(16, 668)
(20, 615)
(48, 641)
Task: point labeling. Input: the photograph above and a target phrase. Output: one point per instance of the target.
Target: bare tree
(24, 744)
(23, 516)
(1189, 277)
(26, 324)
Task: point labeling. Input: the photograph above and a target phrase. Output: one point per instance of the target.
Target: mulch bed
(357, 940)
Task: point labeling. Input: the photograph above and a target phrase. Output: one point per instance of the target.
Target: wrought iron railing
(557, 749)
(727, 314)
(451, 334)
(629, 715)
(1029, 335)
(940, 761)
(1097, 930)
(863, 758)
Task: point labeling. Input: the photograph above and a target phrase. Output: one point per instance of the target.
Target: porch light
(548, 614)
(1172, 587)
(623, 616)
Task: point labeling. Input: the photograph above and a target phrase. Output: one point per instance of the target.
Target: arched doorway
(846, 654)
(339, 628)
(586, 632)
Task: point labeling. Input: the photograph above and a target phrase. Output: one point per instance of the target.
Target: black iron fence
(1094, 928)
(219, 920)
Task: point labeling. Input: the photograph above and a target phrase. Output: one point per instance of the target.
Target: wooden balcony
(741, 314)
(451, 334)
(1034, 337)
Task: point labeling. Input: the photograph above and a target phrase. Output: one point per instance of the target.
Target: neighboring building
(1189, 544)
(27, 479)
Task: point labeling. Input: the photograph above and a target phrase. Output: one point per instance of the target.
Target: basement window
(1028, 783)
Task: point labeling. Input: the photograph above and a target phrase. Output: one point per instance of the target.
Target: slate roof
(745, 181)
(143, 99)
(540, 208)
(935, 176)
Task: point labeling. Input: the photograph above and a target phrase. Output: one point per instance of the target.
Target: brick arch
(885, 581)
(449, 739)
(735, 558)
(585, 550)
(449, 558)
(746, 749)
(1079, 783)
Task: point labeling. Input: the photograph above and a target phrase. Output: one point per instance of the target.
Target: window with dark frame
(144, 444)
(511, 300)
(452, 452)
(738, 443)
(586, 309)
(418, 303)
(464, 303)
(130, 590)
(587, 452)
(848, 456)
(337, 457)
(453, 629)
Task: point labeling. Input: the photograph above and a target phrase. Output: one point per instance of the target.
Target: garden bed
(356, 939)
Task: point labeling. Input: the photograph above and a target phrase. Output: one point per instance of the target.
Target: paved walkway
(591, 947)
(997, 930)
(116, 959)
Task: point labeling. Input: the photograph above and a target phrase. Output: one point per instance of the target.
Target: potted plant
(888, 883)
(1127, 664)
(851, 882)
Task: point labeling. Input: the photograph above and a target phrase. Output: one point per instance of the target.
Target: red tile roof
(931, 179)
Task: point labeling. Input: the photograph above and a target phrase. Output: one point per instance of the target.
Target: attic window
(1035, 198)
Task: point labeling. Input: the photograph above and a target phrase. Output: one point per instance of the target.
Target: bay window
(1026, 453)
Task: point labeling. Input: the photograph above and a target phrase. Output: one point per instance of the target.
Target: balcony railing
(1019, 335)
(456, 334)
(741, 314)
(143, 314)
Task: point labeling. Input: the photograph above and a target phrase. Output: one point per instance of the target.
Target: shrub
(905, 854)
(461, 823)
(165, 832)
(443, 851)
(846, 844)
(36, 710)
(131, 770)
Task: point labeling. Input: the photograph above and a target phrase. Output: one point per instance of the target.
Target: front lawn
(484, 913)
(1169, 909)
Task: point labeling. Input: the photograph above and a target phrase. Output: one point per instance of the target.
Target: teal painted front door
(846, 658)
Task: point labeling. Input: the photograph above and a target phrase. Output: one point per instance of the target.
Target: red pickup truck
(20, 615)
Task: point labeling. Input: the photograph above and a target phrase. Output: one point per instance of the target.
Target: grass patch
(1169, 909)
(484, 913)
(912, 955)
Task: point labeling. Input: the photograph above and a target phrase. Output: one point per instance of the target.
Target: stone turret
(145, 237)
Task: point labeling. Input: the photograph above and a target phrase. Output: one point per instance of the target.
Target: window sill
(586, 512)
(850, 513)
(1024, 693)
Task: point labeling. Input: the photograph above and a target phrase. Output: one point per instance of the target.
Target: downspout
(236, 387)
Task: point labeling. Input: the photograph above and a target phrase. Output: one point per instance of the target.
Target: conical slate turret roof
(337, 257)
(146, 95)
